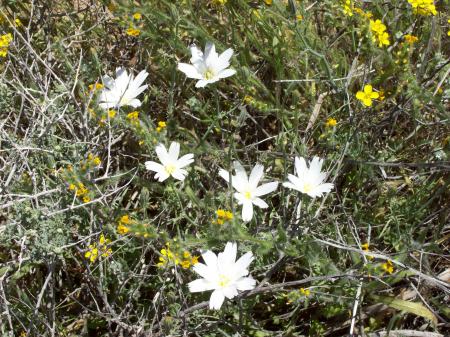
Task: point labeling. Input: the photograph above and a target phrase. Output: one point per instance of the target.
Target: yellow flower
(365, 247)
(423, 7)
(220, 213)
(299, 17)
(219, 2)
(18, 23)
(133, 116)
(185, 264)
(223, 215)
(72, 187)
(305, 292)
(112, 113)
(161, 126)
(92, 254)
(256, 13)
(5, 41)
(410, 38)
(268, 2)
(388, 267)
(86, 199)
(133, 32)
(96, 86)
(383, 39)
(194, 260)
(348, 8)
(330, 122)
(137, 16)
(122, 229)
(367, 95)
(377, 26)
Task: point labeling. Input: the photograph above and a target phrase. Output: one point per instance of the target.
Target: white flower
(248, 192)
(223, 274)
(123, 90)
(170, 164)
(309, 180)
(207, 67)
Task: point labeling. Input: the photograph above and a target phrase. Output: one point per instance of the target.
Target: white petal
(225, 175)
(230, 292)
(290, 185)
(300, 166)
(224, 59)
(201, 83)
(228, 256)
(321, 189)
(247, 211)
(266, 189)
(256, 175)
(216, 300)
(185, 160)
(135, 103)
(140, 78)
(162, 175)
(210, 56)
(205, 271)
(260, 203)
(174, 151)
(316, 165)
(245, 283)
(190, 71)
(153, 166)
(199, 285)
(226, 73)
(196, 54)
(210, 259)
(179, 174)
(242, 264)
(162, 154)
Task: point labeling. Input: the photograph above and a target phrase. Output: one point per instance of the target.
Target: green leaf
(412, 307)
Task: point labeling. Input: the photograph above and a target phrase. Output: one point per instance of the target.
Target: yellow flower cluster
(161, 126)
(123, 225)
(5, 41)
(102, 248)
(367, 95)
(331, 122)
(80, 191)
(186, 260)
(133, 32)
(133, 118)
(298, 295)
(95, 87)
(367, 15)
(388, 267)
(365, 247)
(91, 162)
(348, 7)
(423, 7)
(219, 2)
(410, 38)
(223, 216)
(379, 30)
(104, 116)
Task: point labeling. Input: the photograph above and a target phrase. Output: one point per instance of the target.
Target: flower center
(170, 168)
(307, 187)
(208, 74)
(224, 281)
(247, 195)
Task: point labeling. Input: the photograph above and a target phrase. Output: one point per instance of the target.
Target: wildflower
(423, 7)
(377, 26)
(170, 165)
(299, 17)
(5, 41)
(367, 95)
(410, 38)
(268, 2)
(122, 226)
(388, 267)
(219, 2)
(379, 29)
(223, 274)
(86, 199)
(248, 192)
(309, 180)
(207, 67)
(133, 32)
(305, 292)
(96, 86)
(331, 122)
(123, 90)
(112, 113)
(18, 23)
(365, 247)
(94, 159)
(137, 16)
(133, 118)
(168, 256)
(348, 8)
(161, 126)
(223, 216)
(102, 248)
